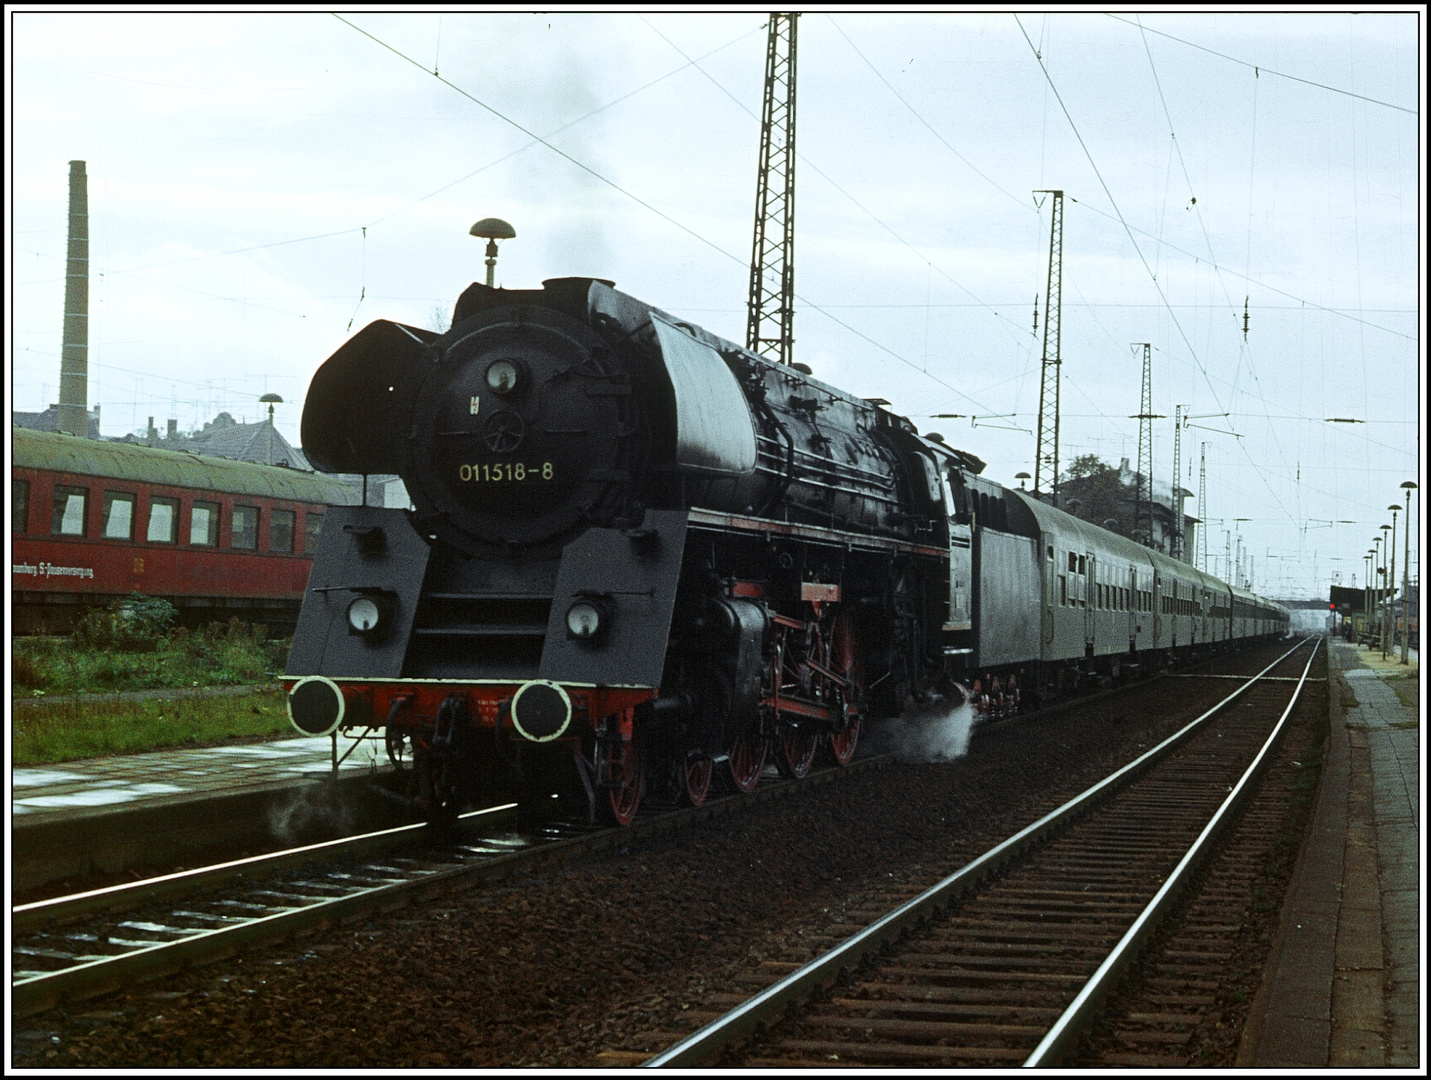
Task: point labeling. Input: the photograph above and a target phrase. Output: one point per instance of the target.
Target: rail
(704, 1047)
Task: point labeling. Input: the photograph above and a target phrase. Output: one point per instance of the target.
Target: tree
(1092, 489)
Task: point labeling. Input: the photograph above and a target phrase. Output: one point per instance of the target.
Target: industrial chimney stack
(74, 349)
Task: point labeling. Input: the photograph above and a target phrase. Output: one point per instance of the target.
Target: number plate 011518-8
(506, 472)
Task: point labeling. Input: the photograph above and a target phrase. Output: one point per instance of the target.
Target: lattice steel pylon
(1046, 459)
(1202, 511)
(1177, 544)
(1143, 515)
(770, 330)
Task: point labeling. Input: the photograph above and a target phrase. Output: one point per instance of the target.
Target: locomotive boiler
(637, 552)
(640, 555)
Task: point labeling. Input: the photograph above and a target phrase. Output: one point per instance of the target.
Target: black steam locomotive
(638, 552)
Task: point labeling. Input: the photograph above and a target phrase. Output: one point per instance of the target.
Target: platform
(1343, 984)
(84, 823)
(129, 778)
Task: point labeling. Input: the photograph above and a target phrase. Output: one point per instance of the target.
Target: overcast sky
(261, 186)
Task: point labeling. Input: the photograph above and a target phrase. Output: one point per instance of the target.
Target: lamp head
(490, 228)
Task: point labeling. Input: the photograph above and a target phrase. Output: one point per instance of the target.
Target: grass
(1408, 688)
(134, 647)
(224, 654)
(66, 730)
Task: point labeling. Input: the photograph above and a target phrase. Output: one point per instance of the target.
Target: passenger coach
(95, 521)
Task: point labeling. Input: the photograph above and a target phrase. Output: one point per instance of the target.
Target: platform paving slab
(1363, 848)
(146, 813)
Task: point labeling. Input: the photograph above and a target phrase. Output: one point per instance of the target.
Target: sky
(264, 184)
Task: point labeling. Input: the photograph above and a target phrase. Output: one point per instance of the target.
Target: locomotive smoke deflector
(714, 432)
(352, 416)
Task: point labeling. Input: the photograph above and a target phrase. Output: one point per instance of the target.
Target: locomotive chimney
(74, 347)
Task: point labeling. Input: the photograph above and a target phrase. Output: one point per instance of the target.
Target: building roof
(246, 442)
(49, 420)
(223, 437)
(137, 462)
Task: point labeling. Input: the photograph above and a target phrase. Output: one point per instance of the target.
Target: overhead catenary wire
(653, 209)
(1152, 277)
(1270, 71)
(1246, 349)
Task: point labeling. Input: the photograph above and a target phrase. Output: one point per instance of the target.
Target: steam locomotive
(639, 553)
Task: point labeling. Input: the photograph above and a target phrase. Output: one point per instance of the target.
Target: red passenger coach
(94, 521)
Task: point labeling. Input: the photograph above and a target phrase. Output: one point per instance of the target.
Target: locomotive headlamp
(363, 615)
(371, 612)
(502, 376)
(585, 620)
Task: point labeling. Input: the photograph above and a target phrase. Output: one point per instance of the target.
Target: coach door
(1157, 609)
(1090, 604)
(1132, 609)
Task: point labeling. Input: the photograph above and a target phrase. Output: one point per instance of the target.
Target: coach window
(204, 524)
(71, 509)
(312, 526)
(118, 515)
(245, 527)
(19, 506)
(163, 520)
(280, 532)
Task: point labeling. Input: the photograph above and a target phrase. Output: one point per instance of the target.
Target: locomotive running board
(854, 541)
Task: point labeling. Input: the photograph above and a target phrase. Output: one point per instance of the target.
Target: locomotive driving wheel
(619, 763)
(747, 758)
(696, 779)
(845, 661)
(797, 750)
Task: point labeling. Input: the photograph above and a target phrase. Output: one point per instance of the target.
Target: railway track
(75, 947)
(1006, 961)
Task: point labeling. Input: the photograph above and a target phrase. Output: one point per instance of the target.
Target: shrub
(111, 650)
(145, 616)
(135, 624)
(24, 670)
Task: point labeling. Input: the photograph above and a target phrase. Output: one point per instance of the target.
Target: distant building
(225, 437)
(1108, 498)
(49, 420)
(1163, 514)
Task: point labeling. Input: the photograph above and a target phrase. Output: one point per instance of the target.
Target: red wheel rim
(842, 743)
(747, 760)
(627, 773)
(698, 780)
(844, 657)
(797, 750)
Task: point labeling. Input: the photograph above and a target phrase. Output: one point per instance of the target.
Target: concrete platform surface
(133, 778)
(1343, 987)
(79, 824)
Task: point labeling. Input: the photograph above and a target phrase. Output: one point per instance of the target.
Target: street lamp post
(1377, 576)
(1391, 586)
(1385, 584)
(1406, 579)
(1366, 604)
